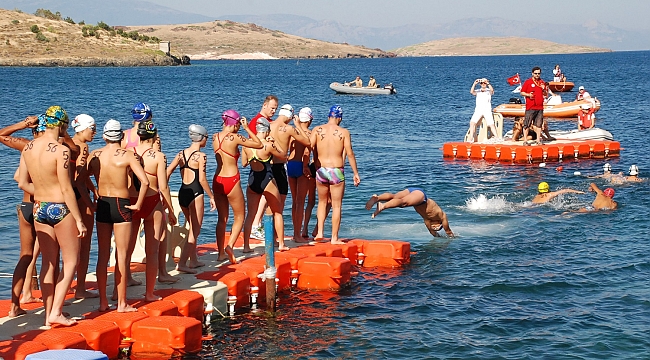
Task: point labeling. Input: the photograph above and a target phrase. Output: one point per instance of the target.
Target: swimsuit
(131, 144)
(258, 180)
(280, 175)
(50, 213)
(27, 209)
(112, 210)
(136, 181)
(189, 192)
(312, 169)
(223, 185)
(436, 229)
(331, 176)
(412, 189)
(148, 206)
(294, 169)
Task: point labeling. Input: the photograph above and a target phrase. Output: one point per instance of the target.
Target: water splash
(496, 204)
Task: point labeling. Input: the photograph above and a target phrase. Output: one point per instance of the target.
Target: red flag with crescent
(514, 80)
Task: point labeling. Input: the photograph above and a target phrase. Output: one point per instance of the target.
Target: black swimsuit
(189, 192)
(257, 180)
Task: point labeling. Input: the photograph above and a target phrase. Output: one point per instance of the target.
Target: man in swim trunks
(45, 172)
(332, 143)
(286, 135)
(434, 218)
(111, 166)
(603, 200)
(534, 90)
(545, 196)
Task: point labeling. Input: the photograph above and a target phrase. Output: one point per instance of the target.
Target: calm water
(519, 281)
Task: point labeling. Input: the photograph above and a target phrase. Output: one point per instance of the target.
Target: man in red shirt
(268, 110)
(534, 90)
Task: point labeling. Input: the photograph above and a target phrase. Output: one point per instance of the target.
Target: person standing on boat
(434, 218)
(586, 117)
(332, 143)
(544, 196)
(483, 108)
(558, 76)
(534, 90)
(372, 83)
(582, 94)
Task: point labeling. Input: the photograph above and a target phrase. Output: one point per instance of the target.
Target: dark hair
(269, 98)
(536, 68)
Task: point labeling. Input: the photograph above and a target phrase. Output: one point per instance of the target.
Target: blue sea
(519, 281)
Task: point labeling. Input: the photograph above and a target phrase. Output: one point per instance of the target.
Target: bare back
(111, 165)
(48, 166)
(297, 149)
(602, 202)
(153, 162)
(226, 152)
(330, 141)
(284, 134)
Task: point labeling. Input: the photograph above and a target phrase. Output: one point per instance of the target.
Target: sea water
(519, 281)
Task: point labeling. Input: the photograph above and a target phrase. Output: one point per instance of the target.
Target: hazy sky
(624, 14)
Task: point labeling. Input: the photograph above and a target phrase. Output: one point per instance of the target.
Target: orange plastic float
(323, 273)
(100, 335)
(19, 349)
(166, 334)
(238, 285)
(386, 253)
(518, 153)
(331, 250)
(283, 268)
(160, 308)
(54, 339)
(124, 321)
(189, 303)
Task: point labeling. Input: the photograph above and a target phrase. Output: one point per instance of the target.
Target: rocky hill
(492, 46)
(28, 40)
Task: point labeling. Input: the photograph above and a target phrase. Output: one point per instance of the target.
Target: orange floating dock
(516, 152)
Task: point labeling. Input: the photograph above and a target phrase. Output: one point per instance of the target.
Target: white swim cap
(286, 110)
(305, 115)
(542, 164)
(607, 167)
(634, 170)
(113, 131)
(577, 173)
(82, 122)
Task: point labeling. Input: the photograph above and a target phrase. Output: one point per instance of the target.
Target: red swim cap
(609, 192)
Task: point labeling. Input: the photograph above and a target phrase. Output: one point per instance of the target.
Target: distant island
(51, 40)
(492, 46)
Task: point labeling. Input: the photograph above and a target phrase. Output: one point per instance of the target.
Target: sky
(623, 14)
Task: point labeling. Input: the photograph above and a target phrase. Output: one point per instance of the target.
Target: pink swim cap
(609, 192)
(230, 117)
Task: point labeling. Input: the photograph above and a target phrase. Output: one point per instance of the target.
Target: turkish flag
(514, 80)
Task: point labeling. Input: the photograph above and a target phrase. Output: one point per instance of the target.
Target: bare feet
(133, 282)
(106, 308)
(373, 200)
(185, 269)
(150, 298)
(379, 208)
(15, 311)
(60, 320)
(283, 248)
(86, 294)
(126, 308)
(337, 242)
(231, 255)
(167, 279)
(300, 240)
(196, 264)
(247, 249)
(30, 300)
(222, 257)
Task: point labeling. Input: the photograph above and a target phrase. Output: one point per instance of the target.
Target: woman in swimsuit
(226, 183)
(261, 182)
(194, 185)
(140, 113)
(154, 164)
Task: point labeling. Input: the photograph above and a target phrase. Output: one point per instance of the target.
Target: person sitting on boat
(586, 117)
(558, 76)
(372, 83)
(544, 196)
(582, 94)
(518, 127)
(552, 98)
(483, 108)
(434, 218)
(356, 82)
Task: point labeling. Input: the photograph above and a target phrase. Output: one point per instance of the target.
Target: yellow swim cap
(542, 187)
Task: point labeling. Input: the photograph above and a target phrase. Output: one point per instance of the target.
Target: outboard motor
(515, 101)
(390, 87)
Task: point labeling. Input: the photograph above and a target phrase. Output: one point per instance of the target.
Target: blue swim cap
(336, 112)
(41, 124)
(55, 116)
(141, 112)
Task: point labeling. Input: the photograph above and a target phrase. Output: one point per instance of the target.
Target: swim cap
(286, 110)
(55, 116)
(305, 115)
(41, 124)
(634, 170)
(263, 125)
(197, 133)
(336, 112)
(82, 122)
(586, 106)
(542, 187)
(113, 131)
(141, 112)
(609, 192)
(230, 117)
(147, 130)
(581, 87)
(607, 167)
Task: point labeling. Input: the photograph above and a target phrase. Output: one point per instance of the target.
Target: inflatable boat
(577, 135)
(561, 86)
(347, 89)
(562, 110)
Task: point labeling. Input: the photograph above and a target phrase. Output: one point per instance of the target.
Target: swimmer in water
(434, 218)
(545, 196)
(603, 200)
(633, 176)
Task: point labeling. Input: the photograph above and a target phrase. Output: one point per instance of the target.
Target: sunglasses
(536, 73)
(93, 128)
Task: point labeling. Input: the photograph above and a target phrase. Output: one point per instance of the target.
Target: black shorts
(534, 117)
(280, 175)
(112, 210)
